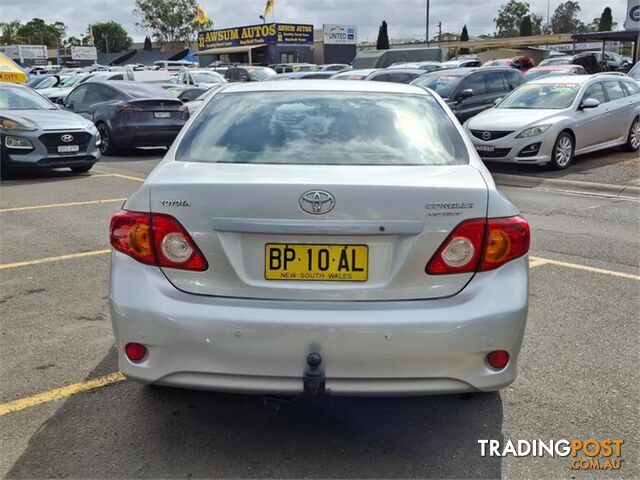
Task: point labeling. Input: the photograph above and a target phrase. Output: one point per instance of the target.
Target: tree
(464, 37)
(383, 37)
(510, 16)
(147, 43)
(565, 18)
(37, 31)
(526, 27)
(75, 41)
(606, 21)
(168, 20)
(9, 35)
(110, 37)
(536, 24)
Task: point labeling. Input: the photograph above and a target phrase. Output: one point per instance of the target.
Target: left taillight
(155, 239)
(479, 244)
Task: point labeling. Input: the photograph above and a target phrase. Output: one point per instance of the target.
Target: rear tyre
(82, 169)
(562, 153)
(106, 140)
(633, 140)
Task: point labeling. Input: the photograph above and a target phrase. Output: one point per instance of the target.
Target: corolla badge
(66, 138)
(317, 202)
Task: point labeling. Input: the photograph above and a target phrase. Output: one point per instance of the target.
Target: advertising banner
(340, 34)
(268, 33)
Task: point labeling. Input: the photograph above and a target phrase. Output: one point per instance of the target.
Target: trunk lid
(402, 214)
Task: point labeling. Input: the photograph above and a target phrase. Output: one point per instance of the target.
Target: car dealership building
(262, 44)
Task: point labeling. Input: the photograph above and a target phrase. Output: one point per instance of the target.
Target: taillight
(507, 239)
(478, 245)
(155, 239)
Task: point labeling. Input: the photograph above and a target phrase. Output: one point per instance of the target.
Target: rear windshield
(330, 128)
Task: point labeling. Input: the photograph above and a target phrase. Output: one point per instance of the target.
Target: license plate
(162, 114)
(485, 148)
(68, 148)
(312, 262)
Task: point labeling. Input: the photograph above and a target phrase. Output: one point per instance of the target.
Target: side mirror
(466, 93)
(60, 101)
(589, 103)
(69, 107)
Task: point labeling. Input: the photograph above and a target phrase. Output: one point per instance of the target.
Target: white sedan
(320, 236)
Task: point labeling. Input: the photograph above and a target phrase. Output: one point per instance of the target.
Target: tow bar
(313, 377)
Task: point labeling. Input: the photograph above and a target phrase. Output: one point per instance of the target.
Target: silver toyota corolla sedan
(320, 236)
(552, 119)
(36, 134)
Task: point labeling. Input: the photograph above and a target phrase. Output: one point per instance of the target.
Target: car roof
(325, 86)
(401, 70)
(137, 89)
(360, 71)
(566, 78)
(562, 66)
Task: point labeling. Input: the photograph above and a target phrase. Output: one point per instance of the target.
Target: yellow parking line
(55, 205)
(586, 268)
(59, 393)
(71, 256)
(128, 177)
(537, 261)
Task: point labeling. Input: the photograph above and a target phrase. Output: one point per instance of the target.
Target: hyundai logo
(486, 135)
(317, 202)
(66, 138)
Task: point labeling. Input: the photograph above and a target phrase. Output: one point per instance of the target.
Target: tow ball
(313, 377)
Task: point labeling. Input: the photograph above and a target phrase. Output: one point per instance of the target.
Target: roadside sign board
(84, 53)
(340, 34)
(269, 33)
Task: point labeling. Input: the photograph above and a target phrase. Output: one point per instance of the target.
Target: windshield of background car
(68, 82)
(260, 74)
(208, 77)
(542, 96)
(323, 128)
(22, 99)
(442, 83)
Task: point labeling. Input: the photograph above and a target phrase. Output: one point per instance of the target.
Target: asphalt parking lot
(65, 412)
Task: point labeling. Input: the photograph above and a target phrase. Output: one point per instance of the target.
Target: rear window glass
(331, 128)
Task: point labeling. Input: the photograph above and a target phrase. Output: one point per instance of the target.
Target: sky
(406, 18)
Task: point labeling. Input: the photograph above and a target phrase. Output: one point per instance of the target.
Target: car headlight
(17, 142)
(23, 126)
(533, 131)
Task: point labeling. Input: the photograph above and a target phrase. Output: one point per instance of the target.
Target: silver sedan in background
(35, 133)
(550, 120)
(320, 236)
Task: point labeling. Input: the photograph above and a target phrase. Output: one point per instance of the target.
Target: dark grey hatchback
(469, 91)
(129, 114)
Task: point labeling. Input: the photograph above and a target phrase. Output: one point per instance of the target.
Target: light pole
(427, 24)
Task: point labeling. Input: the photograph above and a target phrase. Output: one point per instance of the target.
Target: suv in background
(589, 61)
(469, 91)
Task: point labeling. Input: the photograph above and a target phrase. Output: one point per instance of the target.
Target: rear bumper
(146, 136)
(368, 348)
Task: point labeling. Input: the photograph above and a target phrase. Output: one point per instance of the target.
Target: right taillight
(155, 239)
(478, 245)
